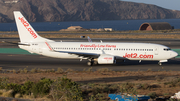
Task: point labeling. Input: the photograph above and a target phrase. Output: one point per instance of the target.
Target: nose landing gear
(159, 63)
(162, 61)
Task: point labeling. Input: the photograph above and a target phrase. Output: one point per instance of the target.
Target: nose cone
(174, 54)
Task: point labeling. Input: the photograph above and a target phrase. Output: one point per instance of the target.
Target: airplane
(94, 52)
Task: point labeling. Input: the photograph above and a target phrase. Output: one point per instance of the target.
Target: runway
(21, 61)
(10, 61)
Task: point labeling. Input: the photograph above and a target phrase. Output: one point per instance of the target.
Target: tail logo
(26, 25)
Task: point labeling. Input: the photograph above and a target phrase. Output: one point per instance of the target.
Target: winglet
(89, 39)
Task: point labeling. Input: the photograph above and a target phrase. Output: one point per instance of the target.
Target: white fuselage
(131, 51)
(96, 53)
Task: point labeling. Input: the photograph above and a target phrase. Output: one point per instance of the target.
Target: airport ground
(19, 60)
(147, 72)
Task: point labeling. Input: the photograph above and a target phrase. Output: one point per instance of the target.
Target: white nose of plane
(174, 54)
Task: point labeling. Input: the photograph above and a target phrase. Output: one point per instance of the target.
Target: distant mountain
(81, 10)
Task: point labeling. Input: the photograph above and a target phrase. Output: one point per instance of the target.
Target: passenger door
(156, 51)
(40, 49)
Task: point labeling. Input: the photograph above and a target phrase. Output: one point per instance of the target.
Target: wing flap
(92, 55)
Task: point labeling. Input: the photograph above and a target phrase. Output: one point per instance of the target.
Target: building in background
(155, 26)
(108, 29)
(79, 28)
(11, 1)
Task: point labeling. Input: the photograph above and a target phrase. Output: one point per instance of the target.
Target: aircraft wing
(87, 55)
(89, 39)
(92, 55)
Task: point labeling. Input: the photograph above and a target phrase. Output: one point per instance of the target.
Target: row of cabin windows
(135, 49)
(121, 49)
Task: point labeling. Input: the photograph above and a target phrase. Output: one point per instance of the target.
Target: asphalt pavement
(21, 61)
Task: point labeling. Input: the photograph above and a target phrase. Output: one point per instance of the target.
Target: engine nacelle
(106, 59)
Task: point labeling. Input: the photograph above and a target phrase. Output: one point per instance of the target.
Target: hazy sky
(169, 4)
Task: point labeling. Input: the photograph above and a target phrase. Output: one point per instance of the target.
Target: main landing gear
(92, 62)
(89, 63)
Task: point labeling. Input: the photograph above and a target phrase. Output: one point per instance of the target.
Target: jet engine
(106, 59)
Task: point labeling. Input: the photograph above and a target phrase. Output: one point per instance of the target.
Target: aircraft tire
(159, 63)
(89, 63)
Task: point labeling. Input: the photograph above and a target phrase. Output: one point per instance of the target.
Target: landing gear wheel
(89, 63)
(159, 63)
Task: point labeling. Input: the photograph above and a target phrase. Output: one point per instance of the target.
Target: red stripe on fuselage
(48, 46)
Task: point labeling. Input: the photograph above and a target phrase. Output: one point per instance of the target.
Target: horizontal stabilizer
(16, 43)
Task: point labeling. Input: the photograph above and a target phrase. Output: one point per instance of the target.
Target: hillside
(81, 10)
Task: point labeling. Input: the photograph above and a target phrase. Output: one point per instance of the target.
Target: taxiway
(21, 61)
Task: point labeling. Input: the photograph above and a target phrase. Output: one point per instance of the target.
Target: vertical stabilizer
(26, 31)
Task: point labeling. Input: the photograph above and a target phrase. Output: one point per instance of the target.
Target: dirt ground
(164, 83)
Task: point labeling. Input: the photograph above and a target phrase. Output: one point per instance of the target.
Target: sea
(117, 25)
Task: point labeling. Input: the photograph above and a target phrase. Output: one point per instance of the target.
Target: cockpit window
(167, 49)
